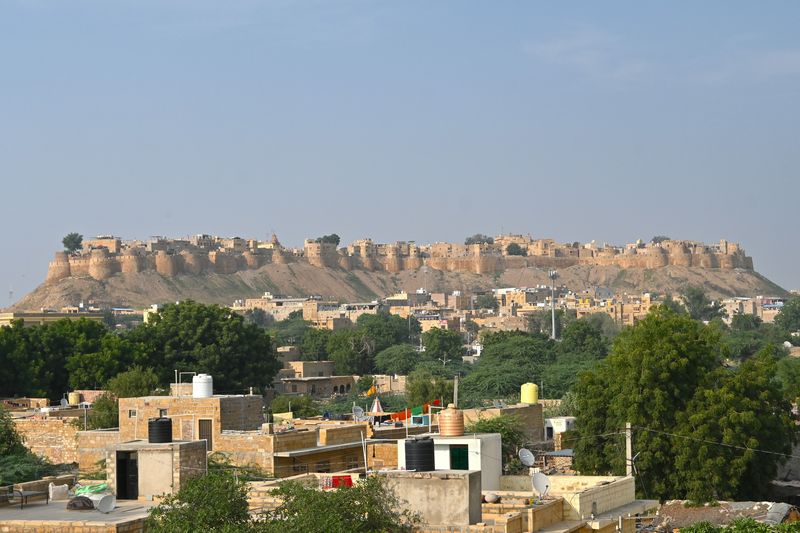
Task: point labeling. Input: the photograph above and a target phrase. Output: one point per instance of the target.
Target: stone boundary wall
(92, 447)
(52, 438)
(71, 526)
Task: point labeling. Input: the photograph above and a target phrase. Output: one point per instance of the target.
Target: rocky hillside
(302, 279)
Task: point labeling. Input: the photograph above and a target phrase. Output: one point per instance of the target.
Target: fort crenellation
(106, 256)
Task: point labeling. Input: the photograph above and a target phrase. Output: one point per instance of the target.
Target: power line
(706, 441)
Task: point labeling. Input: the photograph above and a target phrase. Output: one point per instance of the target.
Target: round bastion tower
(59, 267)
(166, 264)
(101, 265)
(130, 262)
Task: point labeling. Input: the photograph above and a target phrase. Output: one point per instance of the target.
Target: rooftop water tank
(202, 386)
(529, 393)
(159, 430)
(451, 422)
(74, 398)
(419, 454)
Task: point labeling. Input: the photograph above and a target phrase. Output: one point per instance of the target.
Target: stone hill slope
(301, 279)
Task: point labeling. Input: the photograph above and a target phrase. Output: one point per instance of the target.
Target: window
(300, 468)
(324, 466)
(319, 373)
(294, 388)
(351, 461)
(162, 413)
(131, 413)
(348, 388)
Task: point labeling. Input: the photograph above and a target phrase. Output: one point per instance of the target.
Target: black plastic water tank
(159, 430)
(419, 454)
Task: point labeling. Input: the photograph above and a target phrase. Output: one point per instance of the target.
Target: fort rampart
(175, 257)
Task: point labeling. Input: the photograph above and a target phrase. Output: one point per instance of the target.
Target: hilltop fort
(105, 256)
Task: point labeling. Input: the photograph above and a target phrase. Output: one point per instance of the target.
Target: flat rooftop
(37, 510)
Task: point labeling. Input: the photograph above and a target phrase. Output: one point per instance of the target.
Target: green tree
(301, 405)
(11, 442)
(214, 503)
(583, 337)
(699, 306)
(511, 436)
(103, 415)
(93, 370)
(746, 411)
(659, 239)
(259, 317)
(542, 321)
(672, 304)
(72, 242)
(422, 387)
(133, 383)
(660, 376)
(329, 239)
(19, 367)
(515, 249)
(479, 238)
(50, 347)
(399, 359)
(508, 360)
(367, 507)
(352, 352)
(788, 375)
(385, 330)
(486, 301)
(17, 463)
(314, 346)
(788, 319)
(290, 332)
(207, 338)
(746, 323)
(443, 344)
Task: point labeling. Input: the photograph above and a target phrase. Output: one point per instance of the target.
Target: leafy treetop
(72, 242)
(515, 249)
(329, 239)
(479, 238)
(665, 377)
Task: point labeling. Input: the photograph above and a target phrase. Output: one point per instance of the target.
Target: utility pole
(628, 450)
(553, 275)
(455, 391)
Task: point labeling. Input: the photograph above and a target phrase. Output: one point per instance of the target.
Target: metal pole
(628, 450)
(455, 391)
(553, 309)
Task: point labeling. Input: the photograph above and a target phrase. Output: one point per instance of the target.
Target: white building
(482, 452)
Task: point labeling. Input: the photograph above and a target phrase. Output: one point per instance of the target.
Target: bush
(366, 507)
(214, 503)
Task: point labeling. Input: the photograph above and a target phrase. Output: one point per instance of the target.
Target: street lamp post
(553, 275)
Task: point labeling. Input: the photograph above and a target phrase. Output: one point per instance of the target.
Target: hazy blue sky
(400, 121)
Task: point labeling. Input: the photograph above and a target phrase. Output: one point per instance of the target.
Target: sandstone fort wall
(101, 263)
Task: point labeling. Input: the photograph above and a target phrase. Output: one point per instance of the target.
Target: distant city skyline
(415, 121)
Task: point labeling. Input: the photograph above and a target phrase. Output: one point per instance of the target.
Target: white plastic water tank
(202, 386)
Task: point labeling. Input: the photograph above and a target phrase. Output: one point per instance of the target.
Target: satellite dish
(541, 484)
(358, 414)
(104, 503)
(527, 457)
